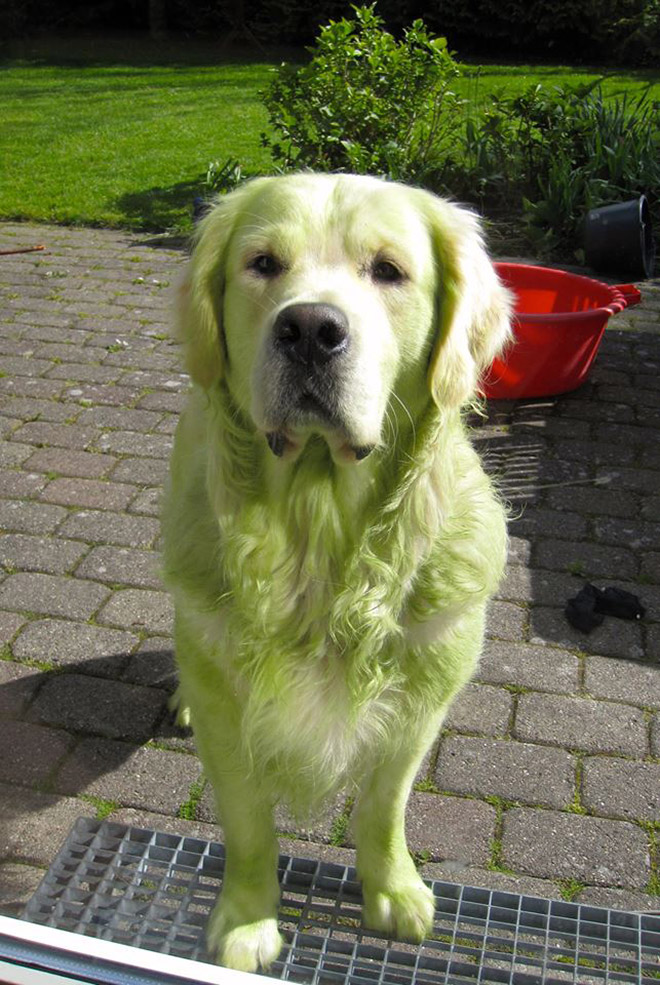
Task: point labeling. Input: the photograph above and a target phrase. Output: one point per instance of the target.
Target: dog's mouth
(283, 445)
(311, 408)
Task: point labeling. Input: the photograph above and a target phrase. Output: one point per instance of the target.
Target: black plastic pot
(618, 239)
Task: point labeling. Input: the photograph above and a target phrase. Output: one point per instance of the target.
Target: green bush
(554, 154)
(366, 102)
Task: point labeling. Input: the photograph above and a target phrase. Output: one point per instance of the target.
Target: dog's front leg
(243, 927)
(396, 900)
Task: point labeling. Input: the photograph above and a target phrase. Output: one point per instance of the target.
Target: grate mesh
(156, 890)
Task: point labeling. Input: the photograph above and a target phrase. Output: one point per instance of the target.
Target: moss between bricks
(188, 810)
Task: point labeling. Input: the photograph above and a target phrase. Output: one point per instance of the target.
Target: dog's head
(329, 303)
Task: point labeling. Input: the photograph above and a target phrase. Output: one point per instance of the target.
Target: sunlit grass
(120, 133)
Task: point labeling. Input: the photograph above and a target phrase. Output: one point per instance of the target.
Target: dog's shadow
(67, 728)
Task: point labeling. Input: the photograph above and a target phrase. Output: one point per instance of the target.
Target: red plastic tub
(558, 324)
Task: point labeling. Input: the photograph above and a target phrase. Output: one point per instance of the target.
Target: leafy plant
(223, 177)
(554, 154)
(366, 102)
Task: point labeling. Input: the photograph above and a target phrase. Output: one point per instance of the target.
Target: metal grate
(156, 890)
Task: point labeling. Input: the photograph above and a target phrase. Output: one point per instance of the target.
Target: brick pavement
(546, 778)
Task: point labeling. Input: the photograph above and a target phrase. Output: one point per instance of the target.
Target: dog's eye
(386, 272)
(265, 265)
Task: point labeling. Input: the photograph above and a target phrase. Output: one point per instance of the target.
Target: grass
(120, 131)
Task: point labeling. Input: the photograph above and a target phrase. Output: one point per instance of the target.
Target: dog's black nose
(311, 333)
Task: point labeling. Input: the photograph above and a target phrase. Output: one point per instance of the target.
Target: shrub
(366, 102)
(555, 154)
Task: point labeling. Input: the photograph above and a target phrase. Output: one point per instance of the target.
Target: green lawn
(120, 132)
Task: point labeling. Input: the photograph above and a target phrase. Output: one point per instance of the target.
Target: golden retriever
(331, 539)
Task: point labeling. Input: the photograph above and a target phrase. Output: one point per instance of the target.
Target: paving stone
(168, 425)
(598, 452)
(138, 609)
(18, 516)
(10, 623)
(105, 527)
(84, 373)
(542, 668)
(31, 387)
(520, 550)
(619, 680)
(650, 566)
(153, 664)
(18, 883)
(132, 443)
(626, 434)
(613, 638)
(594, 501)
(635, 534)
(33, 825)
(161, 400)
(89, 493)
(514, 771)
(67, 461)
(450, 827)
(99, 707)
(22, 366)
(653, 643)
(538, 585)
(8, 425)
(482, 710)
(29, 409)
(19, 485)
(655, 736)
(170, 825)
(638, 480)
(617, 413)
(506, 621)
(18, 685)
(142, 777)
(482, 878)
(618, 899)
(170, 382)
(553, 845)
(52, 595)
(651, 508)
(12, 453)
(34, 751)
(120, 418)
(61, 643)
(536, 522)
(594, 560)
(145, 472)
(622, 788)
(148, 502)
(121, 565)
(48, 554)
(60, 435)
(111, 394)
(578, 723)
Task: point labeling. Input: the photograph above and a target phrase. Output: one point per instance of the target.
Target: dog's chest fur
(332, 613)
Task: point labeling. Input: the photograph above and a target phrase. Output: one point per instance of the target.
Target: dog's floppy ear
(472, 306)
(201, 290)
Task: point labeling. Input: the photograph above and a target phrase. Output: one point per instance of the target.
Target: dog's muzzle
(309, 339)
(311, 335)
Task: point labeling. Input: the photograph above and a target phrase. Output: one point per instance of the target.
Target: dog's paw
(247, 947)
(405, 913)
(179, 709)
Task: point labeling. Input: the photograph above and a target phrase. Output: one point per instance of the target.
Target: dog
(331, 539)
